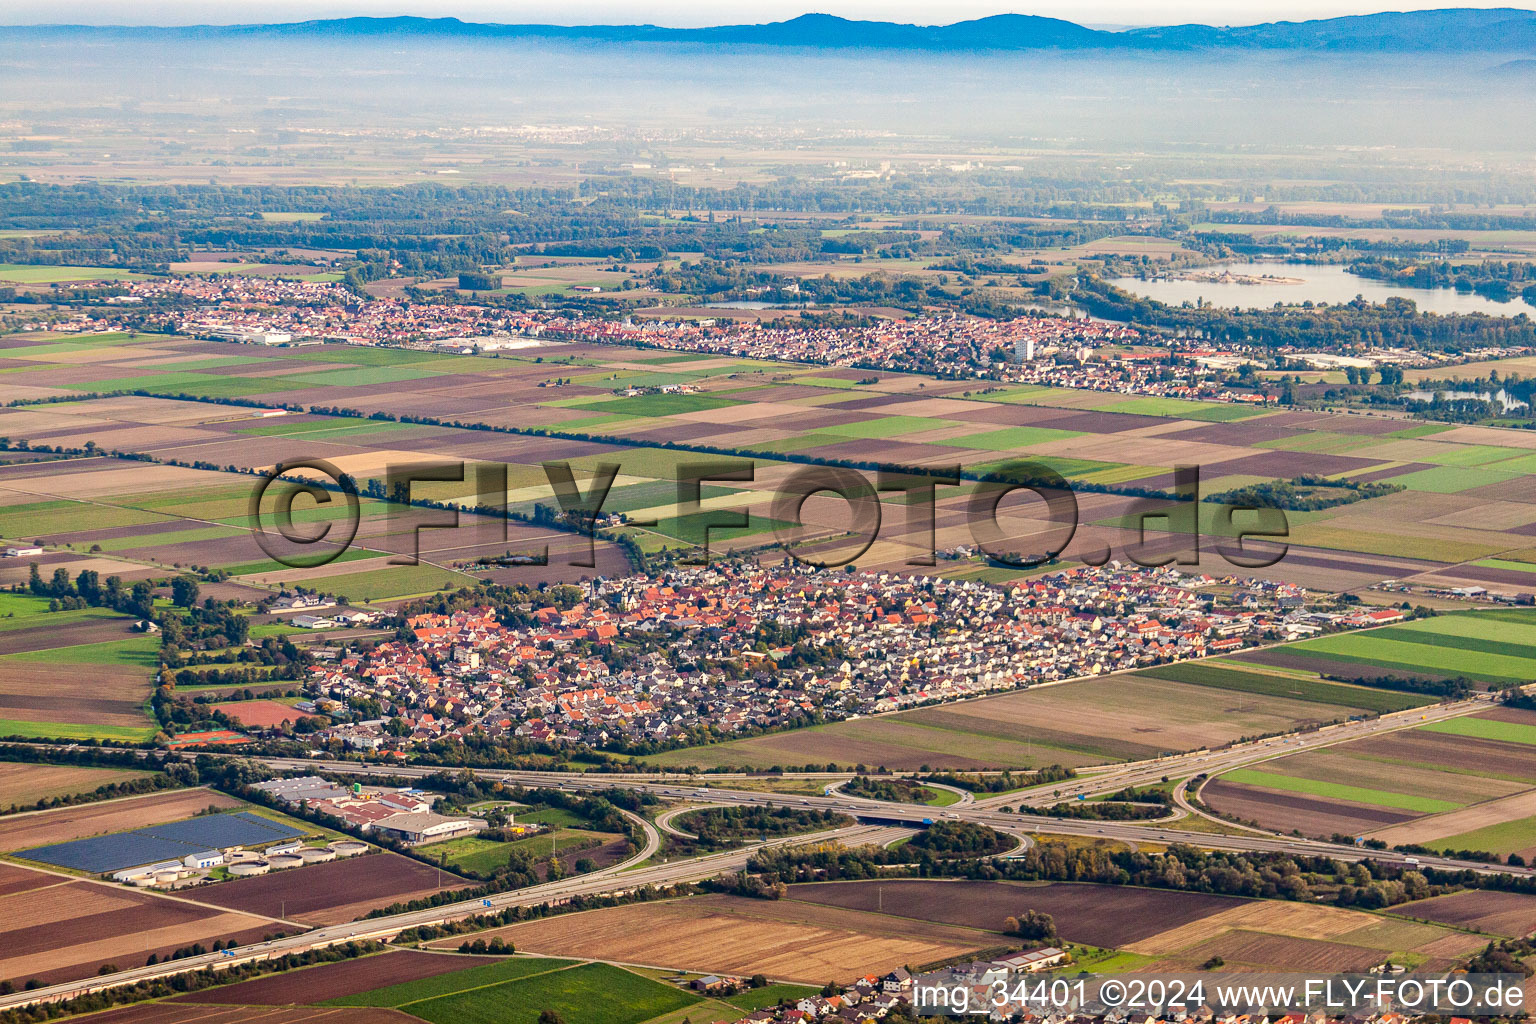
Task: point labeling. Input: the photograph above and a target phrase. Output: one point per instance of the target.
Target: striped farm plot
(1473, 645)
(1464, 784)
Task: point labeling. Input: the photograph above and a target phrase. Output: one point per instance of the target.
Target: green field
(769, 995)
(887, 426)
(1339, 791)
(395, 581)
(137, 652)
(589, 994)
(1485, 729)
(1503, 839)
(654, 405)
(484, 856)
(351, 554)
(61, 516)
(473, 977)
(19, 608)
(1214, 412)
(16, 273)
(1010, 438)
(352, 376)
(74, 731)
(1452, 479)
(1453, 644)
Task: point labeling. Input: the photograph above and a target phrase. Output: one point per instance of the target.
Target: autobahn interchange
(880, 822)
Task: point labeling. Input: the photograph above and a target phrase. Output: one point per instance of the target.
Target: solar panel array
(101, 854)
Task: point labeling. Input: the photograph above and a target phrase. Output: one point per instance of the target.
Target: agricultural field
(569, 844)
(473, 989)
(23, 784)
(781, 939)
(346, 980)
(1497, 913)
(1167, 930)
(1494, 647)
(42, 652)
(1463, 784)
(181, 1013)
(331, 892)
(54, 928)
(1462, 521)
(1120, 717)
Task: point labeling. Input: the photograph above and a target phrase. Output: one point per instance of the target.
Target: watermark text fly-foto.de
(1053, 501)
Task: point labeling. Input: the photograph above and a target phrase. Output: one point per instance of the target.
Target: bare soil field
(23, 831)
(1106, 719)
(1278, 952)
(782, 939)
(69, 634)
(333, 981)
(36, 691)
(1282, 935)
(70, 929)
(332, 892)
(1283, 812)
(22, 784)
(1467, 819)
(1498, 913)
(14, 879)
(1102, 915)
(1462, 753)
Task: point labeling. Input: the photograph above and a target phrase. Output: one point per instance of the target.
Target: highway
(880, 823)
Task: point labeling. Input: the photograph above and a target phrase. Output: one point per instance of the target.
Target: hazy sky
(692, 12)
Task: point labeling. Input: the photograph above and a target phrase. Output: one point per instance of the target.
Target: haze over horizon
(692, 14)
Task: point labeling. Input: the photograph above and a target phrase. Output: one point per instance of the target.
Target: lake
(1330, 284)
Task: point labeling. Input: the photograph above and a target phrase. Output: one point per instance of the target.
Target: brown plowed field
(1468, 819)
(38, 691)
(1102, 915)
(14, 879)
(1463, 753)
(783, 939)
(1499, 913)
(23, 831)
(1282, 812)
(1280, 952)
(1336, 669)
(65, 931)
(330, 893)
(86, 631)
(332, 981)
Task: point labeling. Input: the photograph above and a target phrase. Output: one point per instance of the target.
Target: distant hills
(1457, 30)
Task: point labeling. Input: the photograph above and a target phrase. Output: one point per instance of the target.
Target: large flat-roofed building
(426, 826)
